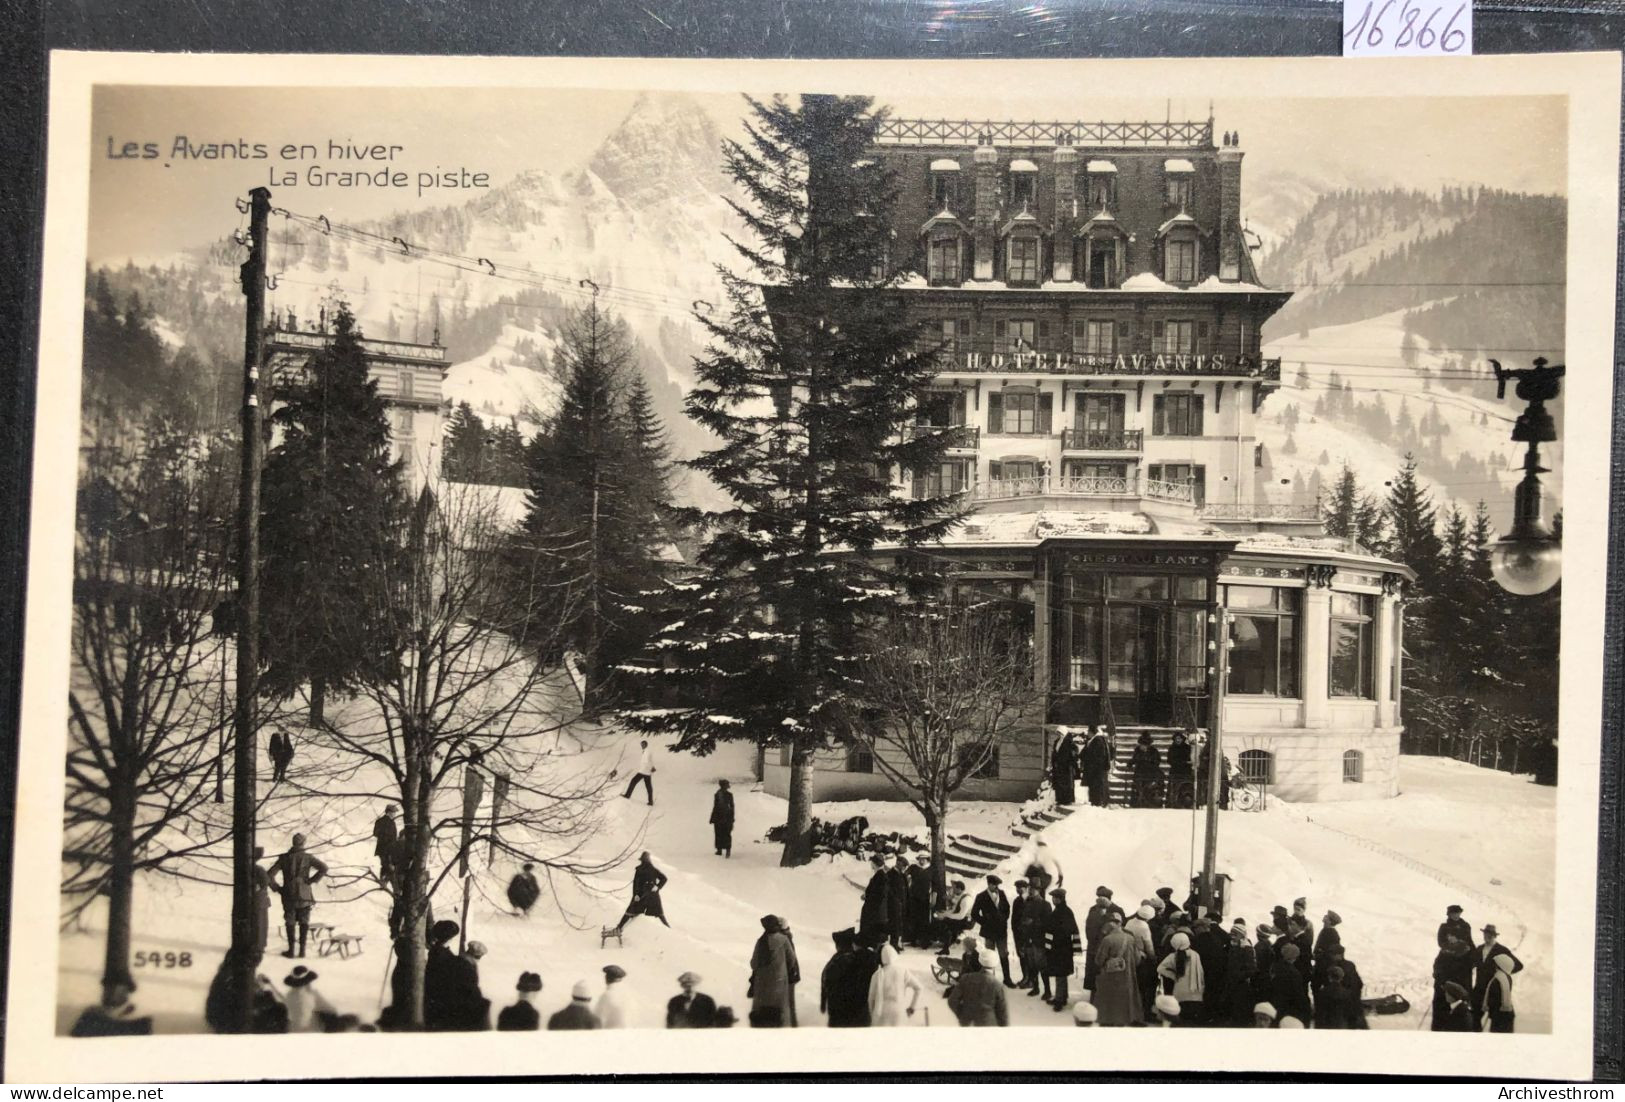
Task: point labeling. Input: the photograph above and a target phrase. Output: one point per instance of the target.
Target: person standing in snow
(839, 994)
(692, 1009)
(645, 773)
(1289, 990)
(919, 902)
(522, 1015)
(523, 890)
(1030, 927)
(307, 1008)
(1181, 779)
(262, 901)
(1117, 984)
(1062, 943)
(1183, 977)
(1211, 945)
(1300, 911)
(616, 1007)
(1499, 1014)
(772, 965)
(1064, 768)
(1097, 767)
(1335, 1005)
(451, 986)
(1240, 966)
(897, 900)
(578, 1015)
(1094, 928)
(646, 884)
(976, 998)
(292, 877)
(875, 918)
(722, 819)
(1454, 964)
(385, 841)
(887, 988)
(1484, 969)
(1458, 1015)
(281, 752)
(1455, 926)
(1146, 766)
(991, 916)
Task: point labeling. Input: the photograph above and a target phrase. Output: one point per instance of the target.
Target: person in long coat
(262, 901)
(843, 989)
(772, 964)
(1327, 940)
(1213, 947)
(1454, 964)
(1063, 941)
(1097, 767)
(1289, 990)
(1241, 964)
(523, 890)
(919, 901)
(1030, 926)
(897, 901)
(1454, 926)
(991, 916)
(977, 999)
(646, 884)
(1146, 766)
(292, 877)
(385, 842)
(1182, 976)
(1335, 1004)
(450, 983)
(1181, 779)
(1499, 1014)
(887, 988)
(722, 820)
(1484, 968)
(1117, 985)
(1264, 962)
(1064, 769)
(874, 922)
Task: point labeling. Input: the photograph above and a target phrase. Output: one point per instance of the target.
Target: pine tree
(329, 486)
(463, 457)
(808, 385)
(650, 446)
(1414, 529)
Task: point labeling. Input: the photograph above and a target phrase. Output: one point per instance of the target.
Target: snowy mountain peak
(667, 147)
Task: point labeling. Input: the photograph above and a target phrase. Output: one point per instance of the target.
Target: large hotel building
(1101, 385)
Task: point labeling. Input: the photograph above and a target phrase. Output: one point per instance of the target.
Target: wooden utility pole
(244, 941)
(1218, 681)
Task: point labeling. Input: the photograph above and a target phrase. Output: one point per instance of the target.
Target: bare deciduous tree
(943, 684)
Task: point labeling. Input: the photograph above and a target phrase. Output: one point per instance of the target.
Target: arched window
(1258, 766)
(1353, 767)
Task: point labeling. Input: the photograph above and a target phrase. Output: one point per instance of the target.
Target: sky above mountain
(148, 208)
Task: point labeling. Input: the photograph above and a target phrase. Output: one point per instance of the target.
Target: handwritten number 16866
(1368, 32)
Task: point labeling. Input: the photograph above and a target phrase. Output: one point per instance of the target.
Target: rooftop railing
(1263, 510)
(1004, 489)
(1185, 134)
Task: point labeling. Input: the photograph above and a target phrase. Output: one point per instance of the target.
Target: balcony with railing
(1262, 510)
(1059, 358)
(956, 437)
(1166, 134)
(1083, 486)
(1092, 440)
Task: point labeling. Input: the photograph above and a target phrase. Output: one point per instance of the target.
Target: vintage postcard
(619, 544)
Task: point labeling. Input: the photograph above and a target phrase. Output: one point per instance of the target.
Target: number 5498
(162, 959)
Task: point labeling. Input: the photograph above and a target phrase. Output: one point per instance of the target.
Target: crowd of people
(1180, 782)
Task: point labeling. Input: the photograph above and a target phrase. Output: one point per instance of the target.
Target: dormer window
(1179, 260)
(1021, 262)
(1100, 252)
(944, 184)
(1179, 174)
(942, 259)
(1023, 185)
(1100, 185)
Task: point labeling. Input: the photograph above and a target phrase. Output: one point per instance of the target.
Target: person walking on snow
(616, 1008)
(645, 773)
(722, 819)
(292, 876)
(887, 988)
(646, 884)
(991, 915)
(523, 890)
(772, 966)
(281, 752)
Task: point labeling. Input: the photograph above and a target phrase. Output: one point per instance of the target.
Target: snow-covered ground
(1389, 867)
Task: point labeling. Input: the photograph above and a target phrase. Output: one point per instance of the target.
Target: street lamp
(1529, 558)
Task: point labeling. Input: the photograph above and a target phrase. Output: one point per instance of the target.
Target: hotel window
(1018, 334)
(1022, 259)
(1177, 338)
(1181, 474)
(944, 189)
(1257, 766)
(979, 767)
(1099, 261)
(1179, 189)
(1351, 645)
(1094, 336)
(1019, 411)
(1005, 470)
(941, 409)
(942, 480)
(1105, 472)
(1353, 767)
(1102, 190)
(942, 259)
(1263, 640)
(1099, 413)
(1176, 415)
(1179, 260)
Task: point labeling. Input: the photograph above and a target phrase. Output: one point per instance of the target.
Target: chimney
(986, 219)
(1231, 244)
(1066, 186)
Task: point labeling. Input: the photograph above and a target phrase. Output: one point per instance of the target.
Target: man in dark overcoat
(873, 921)
(991, 915)
(292, 876)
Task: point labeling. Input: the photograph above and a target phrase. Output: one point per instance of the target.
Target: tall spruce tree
(811, 375)
(1351, 513)
(329, 487)
(592, 514)
(463, 454)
